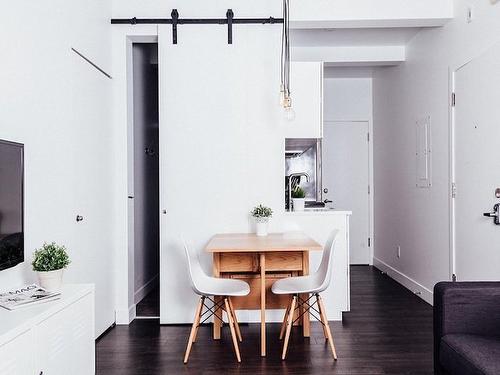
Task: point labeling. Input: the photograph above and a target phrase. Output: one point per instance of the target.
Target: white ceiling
(352, 37)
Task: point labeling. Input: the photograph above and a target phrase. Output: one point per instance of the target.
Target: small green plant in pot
(298, 198)
(49, 262)
(261, 214)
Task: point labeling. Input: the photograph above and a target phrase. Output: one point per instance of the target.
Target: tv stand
(53, 338)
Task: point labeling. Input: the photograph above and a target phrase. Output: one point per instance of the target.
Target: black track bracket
(229, 16)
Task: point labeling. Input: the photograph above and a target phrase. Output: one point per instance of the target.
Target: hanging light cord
(285, 55)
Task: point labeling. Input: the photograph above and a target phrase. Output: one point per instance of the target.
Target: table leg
(216, 273)
(305, 317)
(263, 305)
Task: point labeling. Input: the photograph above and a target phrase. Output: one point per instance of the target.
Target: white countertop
(15, 322)
(319, 212)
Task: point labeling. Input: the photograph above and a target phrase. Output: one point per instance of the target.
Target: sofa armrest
(465, 307)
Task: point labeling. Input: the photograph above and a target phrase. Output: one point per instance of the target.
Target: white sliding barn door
(221, 144)
(346, 176)
(477, 167)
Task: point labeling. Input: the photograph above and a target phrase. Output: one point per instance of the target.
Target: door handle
(491, 214)
(495, 214)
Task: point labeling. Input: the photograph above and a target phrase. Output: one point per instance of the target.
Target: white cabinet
(306, 85)
(14, 358)
(56, 338)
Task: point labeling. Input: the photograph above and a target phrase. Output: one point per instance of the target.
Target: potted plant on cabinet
(49, 263)
(261, 214)
(298, 198)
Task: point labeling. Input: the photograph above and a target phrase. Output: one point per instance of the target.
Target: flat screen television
(11, 204)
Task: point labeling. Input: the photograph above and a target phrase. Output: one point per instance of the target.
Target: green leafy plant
(50, 257)
(298, 192)
(262, 211)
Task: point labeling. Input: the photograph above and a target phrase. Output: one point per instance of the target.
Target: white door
(346, 176)
(477, 167)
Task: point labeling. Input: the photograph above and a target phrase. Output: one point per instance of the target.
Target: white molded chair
(207, 287)
(312, 284)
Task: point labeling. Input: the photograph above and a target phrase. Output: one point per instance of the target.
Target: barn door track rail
(229, 20)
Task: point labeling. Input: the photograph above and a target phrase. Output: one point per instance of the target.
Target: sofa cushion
(462, 354)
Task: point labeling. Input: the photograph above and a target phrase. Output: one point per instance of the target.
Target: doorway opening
(144, 191)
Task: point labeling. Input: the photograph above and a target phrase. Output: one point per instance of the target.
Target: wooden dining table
(260, 261)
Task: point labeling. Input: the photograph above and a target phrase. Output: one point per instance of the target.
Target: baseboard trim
(406, 281)
(125, 316)
(145, 289)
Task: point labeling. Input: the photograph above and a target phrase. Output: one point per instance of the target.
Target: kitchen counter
(318, 224)
(319, 211)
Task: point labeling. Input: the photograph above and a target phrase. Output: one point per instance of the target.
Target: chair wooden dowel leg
(198, 325)
(233, 331)
(327, 327)
(194, 329)
(289, 327)
(285, 319)
(236, 325)
(321, 316)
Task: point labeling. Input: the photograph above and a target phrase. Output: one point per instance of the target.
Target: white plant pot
(261, 225)
(51, 280)
(298, 204)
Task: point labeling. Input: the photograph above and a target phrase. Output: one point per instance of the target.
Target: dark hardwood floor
(388, 331)
(150, 305)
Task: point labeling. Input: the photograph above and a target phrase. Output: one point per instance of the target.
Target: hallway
(388, 331)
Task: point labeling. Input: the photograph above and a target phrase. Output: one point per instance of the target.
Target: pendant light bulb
(289, 111)
(289, 114)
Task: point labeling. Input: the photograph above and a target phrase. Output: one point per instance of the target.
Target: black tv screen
(11, 204)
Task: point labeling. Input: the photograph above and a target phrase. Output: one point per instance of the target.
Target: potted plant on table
(298, 198)
(49, 263)
(261, 214)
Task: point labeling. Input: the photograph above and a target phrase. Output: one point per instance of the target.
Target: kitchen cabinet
(306, 86)
(53, 338)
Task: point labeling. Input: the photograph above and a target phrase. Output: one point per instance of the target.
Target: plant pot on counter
(51, 280)
(261, 225)
(298, 204)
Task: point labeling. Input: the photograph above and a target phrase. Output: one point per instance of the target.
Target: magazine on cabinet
(26, 296)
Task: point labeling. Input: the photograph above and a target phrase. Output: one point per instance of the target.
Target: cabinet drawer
(252, 300)
(239, 262)
(284, 261)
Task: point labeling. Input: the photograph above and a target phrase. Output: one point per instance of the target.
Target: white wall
(145, 169)
(58, 106)
(418, 219)
(348, 99)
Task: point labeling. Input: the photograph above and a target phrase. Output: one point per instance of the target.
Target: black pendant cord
(175, 21)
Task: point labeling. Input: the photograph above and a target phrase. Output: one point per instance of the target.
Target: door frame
(371, 216)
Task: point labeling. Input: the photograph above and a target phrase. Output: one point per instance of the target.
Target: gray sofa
(467, 328)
